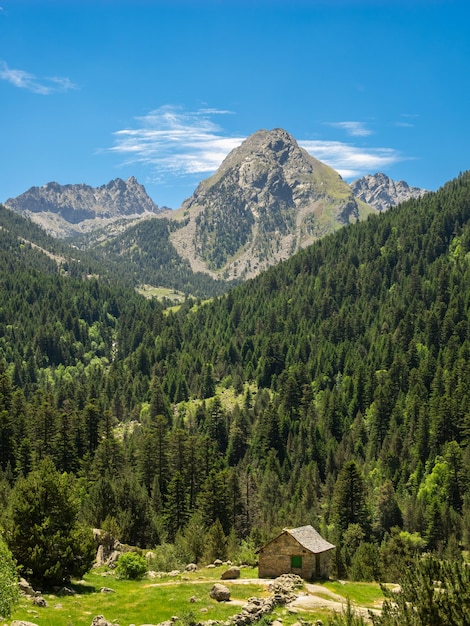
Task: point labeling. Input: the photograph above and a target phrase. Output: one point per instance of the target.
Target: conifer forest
(331, 390)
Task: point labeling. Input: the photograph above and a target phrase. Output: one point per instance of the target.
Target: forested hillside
(144, 254)
(332, 390)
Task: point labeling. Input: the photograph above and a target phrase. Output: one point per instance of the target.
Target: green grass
(138, 602)
(161, 293)
(368, 595)
(152, 601)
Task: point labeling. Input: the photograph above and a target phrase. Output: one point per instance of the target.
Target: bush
(168, 557)
(131, 566)
(9, 593)
(246, 553)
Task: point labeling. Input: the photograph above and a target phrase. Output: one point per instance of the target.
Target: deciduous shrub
(131, 566)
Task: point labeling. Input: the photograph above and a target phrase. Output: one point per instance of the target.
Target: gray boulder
(231, 574)
(219, 592)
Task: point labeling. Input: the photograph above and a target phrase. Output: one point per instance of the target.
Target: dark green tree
(350, 500)
(43, 531)
(432, 593)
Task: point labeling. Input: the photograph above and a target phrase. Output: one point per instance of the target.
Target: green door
(296, 562)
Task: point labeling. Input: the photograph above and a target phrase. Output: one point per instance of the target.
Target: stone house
(301, 551)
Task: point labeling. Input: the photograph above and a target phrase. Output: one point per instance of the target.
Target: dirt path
(315, 596)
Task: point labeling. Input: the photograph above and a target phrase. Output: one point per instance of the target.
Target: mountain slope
(68, 210)
(268, 199)
(144, 254)
(382, 192)
(352, 357)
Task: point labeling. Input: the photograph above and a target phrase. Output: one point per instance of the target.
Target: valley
(254, 405)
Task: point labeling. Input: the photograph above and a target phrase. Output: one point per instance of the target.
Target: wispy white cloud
(349, 160)
(354, 129)
(408, 121)
(25, 80)
(176, 141)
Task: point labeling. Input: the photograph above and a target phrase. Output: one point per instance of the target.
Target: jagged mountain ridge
(68, 210)
(268, 199)
(382, 192)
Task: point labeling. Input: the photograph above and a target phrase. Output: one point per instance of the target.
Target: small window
(296, 562)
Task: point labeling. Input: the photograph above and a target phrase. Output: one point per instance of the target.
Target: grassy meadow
(151, 601)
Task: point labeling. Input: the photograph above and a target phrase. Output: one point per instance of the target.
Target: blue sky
(91, 90)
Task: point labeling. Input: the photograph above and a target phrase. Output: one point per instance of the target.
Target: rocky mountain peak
(268, 199)
(382, 192)
(65, 210)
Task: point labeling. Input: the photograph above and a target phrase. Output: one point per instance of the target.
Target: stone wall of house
(276, 558)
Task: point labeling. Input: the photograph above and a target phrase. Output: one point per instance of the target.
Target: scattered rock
(218, 563)
(219, 592)
(66, 591)
(20, 622)
(282, 592)
(39, 601)
(174, 572)
(106, 590)
(190, 567)
(100, 620)
(210, 566)
(25, 588)
(231, 574)
(193, 599)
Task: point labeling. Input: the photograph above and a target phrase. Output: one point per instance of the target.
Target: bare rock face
(382, 192)
(268, 199)
(65, 210)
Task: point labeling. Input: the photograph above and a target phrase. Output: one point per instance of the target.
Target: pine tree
(349, 499)
(43, 530)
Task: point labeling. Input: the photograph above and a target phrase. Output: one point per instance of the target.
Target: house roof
(308, 538)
